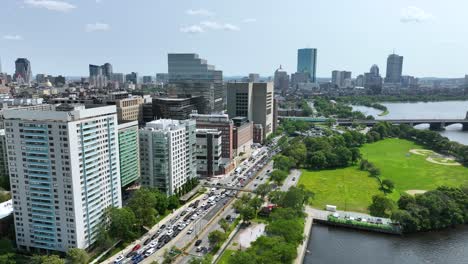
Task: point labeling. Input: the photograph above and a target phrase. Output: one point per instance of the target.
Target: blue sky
(238, 37)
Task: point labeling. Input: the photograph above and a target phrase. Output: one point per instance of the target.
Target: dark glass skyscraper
(191, 76)
(23, 70)
(307, 62)
(394, 68)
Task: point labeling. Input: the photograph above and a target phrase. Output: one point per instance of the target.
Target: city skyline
(212, 29)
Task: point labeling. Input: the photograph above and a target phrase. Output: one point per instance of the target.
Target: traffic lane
(291, 180)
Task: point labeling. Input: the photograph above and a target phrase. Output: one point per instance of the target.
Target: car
(181, 227)
(149, 252)
(198, 242)
(190, 231)
(131, 254)
(294, 178)
(147, 241)
(184, 212)
(163, 226)
(170, 232)
(137, 259)
(194, 216)
(153, 244)
(119, 259)
(154, 236)
(255, 185)
(228, 217)
(204, 250)
(160, 245)
(379, 221)
(176, 233)
(136, 247)
(199, 249)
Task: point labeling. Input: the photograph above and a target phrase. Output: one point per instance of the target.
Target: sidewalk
(226, 243)
(301, 250)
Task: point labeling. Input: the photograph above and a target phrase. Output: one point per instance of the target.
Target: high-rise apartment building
(64, 173)
(132, 78)
(394, 68)
(372, 79)
(167, 154)
(23, 73)
(107, 71)
(208, 152)
(4, 178)
(147, 79)
(254, 101)
(307, 62)
(129, 153)
(191, 76)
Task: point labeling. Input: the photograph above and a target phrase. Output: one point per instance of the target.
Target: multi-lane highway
(195, 220)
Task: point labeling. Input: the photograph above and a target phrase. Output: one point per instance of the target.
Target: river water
(448, 109)
(330, 245)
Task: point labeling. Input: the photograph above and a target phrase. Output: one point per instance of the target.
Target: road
(291, 180)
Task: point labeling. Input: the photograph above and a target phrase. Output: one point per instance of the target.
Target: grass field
(351, 189)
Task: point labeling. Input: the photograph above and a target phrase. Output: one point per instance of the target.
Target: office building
(23, 73)
(253, 101)
(394, 69)
(162, 78)
(307, 63)
(222, 123)
(129, 153)
(242, 136)
(128, 109)
(176, 108)
(147, 79)
(254, 77)
(132, 78)
(281, 80)
(190, 76)
(208, 152)
(107, 71)
(167, 149)
(118, 78)
(64, 172)
(341, 79)
(409, 81)
(372, 79)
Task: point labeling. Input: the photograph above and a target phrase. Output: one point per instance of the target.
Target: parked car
(149, 252)
(119, 259)
(228, 217)
(147, 241)
(198, 242)
(136, 247)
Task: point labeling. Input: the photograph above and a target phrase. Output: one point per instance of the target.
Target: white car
(194, 216)
(149, 252)
(170, 232)
(190, 231)
(119, 259)
(153, 244)
(181, 227)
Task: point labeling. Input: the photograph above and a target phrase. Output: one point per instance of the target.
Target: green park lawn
(351, 189)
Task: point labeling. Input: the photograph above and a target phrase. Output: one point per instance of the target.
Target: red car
(136, 247)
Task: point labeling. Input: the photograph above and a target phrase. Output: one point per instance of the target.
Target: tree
(381, 206)
(278, 176)
(224, 224)
(290, 229)
(247, 213)
(255, 203)
(173, 202)
(405, 200)
(103, 239)
(317, 160)
(8, 258)
(142, 204)
(51, 259)
(215, 237)
(77, 256)
(263, 189)
(123, 223)
(207, 259)
(4, 196)
(161, 201)
(282, 162)
(388, 185)
(243, 257)
(374, 172)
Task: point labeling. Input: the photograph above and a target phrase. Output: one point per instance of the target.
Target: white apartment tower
(167, 153)
(64, 172)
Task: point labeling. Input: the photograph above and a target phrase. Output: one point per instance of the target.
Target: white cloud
(414, 14)
(97, 27)
(249, 20)
(230, 27)
(12, 37)
(199, 12)
(211, 25)
(193, 29)
(53, 5)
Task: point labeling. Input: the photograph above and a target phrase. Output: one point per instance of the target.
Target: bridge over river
(434, 124)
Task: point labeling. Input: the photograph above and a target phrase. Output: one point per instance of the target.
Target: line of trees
(386, 185)
(338, 109)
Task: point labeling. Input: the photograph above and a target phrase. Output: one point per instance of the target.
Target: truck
(330, 208)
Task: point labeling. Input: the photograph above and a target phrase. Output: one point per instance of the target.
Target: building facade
(4, 178)
(23, 72)
(281, 81)
(176, 108)
(394, 68)
(341, 79)
(190, 76)
(222, 123)
(307, 62)
(167, 149)
(129, 153)
(253, 101)
(64, 172)
(208, 152)
(242, 136)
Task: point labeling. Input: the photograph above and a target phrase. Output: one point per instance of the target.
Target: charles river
(346, 246)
